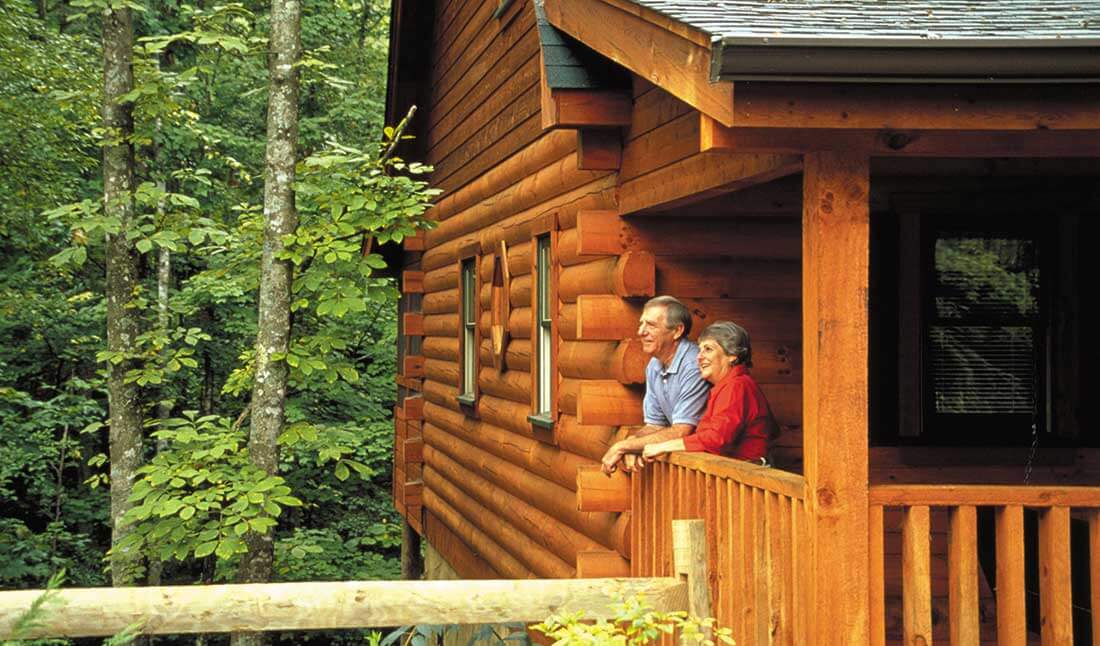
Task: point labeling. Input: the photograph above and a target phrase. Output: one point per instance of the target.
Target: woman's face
(714, 363)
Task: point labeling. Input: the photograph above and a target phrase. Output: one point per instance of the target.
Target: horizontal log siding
(485, 98)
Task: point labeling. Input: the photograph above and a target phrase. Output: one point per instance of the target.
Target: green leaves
(201, 495)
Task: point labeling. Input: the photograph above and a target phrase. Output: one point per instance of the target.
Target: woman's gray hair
(676, 313)
(733, 338)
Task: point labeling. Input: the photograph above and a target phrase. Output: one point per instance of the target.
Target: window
(976, 323)
(468, 343)
(543, 335)
(983, 334)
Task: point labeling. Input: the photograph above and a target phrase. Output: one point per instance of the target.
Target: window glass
(984, 326)
(469, 327)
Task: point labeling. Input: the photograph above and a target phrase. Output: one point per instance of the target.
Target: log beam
(629, 275)
(575, 108)
(597, 491)
(898, 142)
(608, 403)
(330, 605)
(599, 149)
(703, 176)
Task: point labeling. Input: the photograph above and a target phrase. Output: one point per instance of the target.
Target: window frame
(544, 415)
(469, 333)
(962, 429)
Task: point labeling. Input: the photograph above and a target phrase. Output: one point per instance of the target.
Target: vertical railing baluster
(786, 574)
(1094, 572)
(799, 559)
(748, 562)
(876, 572)
(916, 576)
(760, 580)
(1011, 609)
(962, 563)
(1055, 593)
(737, 558)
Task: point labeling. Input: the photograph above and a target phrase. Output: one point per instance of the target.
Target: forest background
(199, 102)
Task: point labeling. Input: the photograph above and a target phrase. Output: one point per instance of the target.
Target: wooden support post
(415, 242)
(835, 279)
(412, 560)
(689, 555)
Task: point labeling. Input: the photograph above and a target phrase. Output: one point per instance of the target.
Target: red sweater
(737, 422)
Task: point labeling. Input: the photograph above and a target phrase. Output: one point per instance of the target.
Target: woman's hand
(653, 450)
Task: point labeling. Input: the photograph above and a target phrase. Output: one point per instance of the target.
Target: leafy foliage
(199, 102)
(634, 623)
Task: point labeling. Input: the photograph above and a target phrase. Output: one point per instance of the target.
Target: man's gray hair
(733, 338)
(676, 313)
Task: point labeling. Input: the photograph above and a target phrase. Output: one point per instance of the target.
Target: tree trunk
(164, 408)
(280, 218)
(122, 275)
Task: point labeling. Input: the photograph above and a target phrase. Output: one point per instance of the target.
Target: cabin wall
(498, 498)
(496, 495)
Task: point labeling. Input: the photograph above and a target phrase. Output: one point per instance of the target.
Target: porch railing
(756, 539)
(976, 562)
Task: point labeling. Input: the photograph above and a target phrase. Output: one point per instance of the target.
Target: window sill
(541, 421)
(468, 404)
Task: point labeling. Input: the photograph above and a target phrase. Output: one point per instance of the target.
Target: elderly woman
(737, 421)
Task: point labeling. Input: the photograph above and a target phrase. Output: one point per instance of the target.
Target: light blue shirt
(677, 394)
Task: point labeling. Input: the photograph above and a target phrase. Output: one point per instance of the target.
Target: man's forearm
(638, 441)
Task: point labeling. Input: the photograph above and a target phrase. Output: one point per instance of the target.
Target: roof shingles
(897, 21)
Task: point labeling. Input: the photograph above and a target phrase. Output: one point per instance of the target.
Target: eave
(905, 60)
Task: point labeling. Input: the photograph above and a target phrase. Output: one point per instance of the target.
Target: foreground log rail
(925, 514)
(165, 610)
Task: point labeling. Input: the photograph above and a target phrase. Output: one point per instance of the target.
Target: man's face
(657, 339)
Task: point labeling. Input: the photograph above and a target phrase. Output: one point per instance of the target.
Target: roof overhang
(905, 60)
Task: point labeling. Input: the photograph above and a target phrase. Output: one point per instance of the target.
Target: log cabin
(892, 197)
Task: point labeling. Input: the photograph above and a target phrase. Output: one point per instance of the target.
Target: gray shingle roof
(943, 22)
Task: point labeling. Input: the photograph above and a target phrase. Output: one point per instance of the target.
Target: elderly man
(675, 393)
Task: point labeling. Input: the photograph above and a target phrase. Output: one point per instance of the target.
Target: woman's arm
(660, 448)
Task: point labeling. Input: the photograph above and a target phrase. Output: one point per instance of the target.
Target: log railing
(756, 539)
(925, 542)
(165, 610)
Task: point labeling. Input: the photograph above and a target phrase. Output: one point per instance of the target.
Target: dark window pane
(983, 370)
(989, 278)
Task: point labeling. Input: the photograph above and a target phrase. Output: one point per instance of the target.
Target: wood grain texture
(702, 176)
(597, 491)
(330, 605)
(916, 574)
(835, 278)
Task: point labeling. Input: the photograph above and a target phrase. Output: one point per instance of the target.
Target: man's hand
(610, 460)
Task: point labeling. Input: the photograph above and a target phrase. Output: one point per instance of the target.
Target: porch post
(835, 261)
